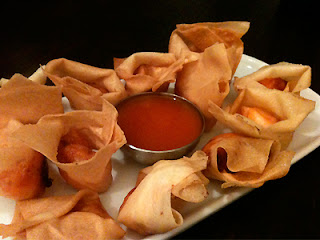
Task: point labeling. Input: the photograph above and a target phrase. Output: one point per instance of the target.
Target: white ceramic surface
(306, 139)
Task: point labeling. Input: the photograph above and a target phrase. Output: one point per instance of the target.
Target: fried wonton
(283, 76)
(23, 171)
(211, 53)
(264, 113)
(38, 77)
(244, 161)
(147, 71)
(206, 79)
(187, 40)
(27, 101)
(85, 86)
(78, 216)
(148, 210)
(91, 137)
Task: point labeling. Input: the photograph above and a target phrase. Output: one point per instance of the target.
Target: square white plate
(305, 140)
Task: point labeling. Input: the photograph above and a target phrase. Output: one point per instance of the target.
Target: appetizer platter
(131, 197)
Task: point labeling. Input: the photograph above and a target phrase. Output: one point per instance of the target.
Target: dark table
(96, 31)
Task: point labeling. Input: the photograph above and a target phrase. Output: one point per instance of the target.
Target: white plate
(306, 139)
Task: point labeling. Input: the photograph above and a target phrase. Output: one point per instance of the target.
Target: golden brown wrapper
(148, 208)
(206, 79)
(38, 77)
(78, 216)
(244, 161)
(99, 128)
(26, 101)
(297, 76)
(22, 169)
(85, 86)
(189, 39)
(147, 71)
(211, 53)
(289, 108)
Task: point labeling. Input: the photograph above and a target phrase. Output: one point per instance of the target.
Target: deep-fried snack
(85, 86)
(148, 209)
(147, 71)
(283, 76)
(244, 161)
(206, 79)
(286, 109)
(38, 77)
(99, 128)
(27, 101)
(188, 40)
(78, 216)
(23, 170)
(211, 54)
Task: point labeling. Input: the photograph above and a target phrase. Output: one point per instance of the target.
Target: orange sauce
(159, 122)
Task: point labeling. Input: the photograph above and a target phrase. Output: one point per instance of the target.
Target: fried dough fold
(297, 77)
(206, 79)
(147, 71)
(148, 209)
(23, 171)
(244, 161)
(27, 101)
(289, 110)
(211, 53)
(78, 216)
(98, 128)
(85, 86)
(188, 40)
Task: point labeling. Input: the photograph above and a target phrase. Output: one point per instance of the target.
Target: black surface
(94, 32)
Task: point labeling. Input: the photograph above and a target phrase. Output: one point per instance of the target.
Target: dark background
(32, 33)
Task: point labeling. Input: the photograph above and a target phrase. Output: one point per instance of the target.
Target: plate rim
(214, 205)
(221, 202)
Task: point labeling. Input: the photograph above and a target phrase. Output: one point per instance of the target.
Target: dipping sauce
(159, 122)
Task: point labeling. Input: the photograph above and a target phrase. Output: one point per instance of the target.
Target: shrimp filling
(260, 116)
(74, 147)
(274, 83)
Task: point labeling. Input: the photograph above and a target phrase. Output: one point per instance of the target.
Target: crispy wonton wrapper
(187, 40)
(27, 101)
(288, 108)
(148, 210)
(79, 216)
(211, 52)
(99, 128)
(297, 77)
(23, 171)
(85, 86)
(206, 79)
(147, 71)
(38, 77)
(244, 161)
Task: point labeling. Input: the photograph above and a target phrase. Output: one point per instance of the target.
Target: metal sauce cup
(149, 157)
